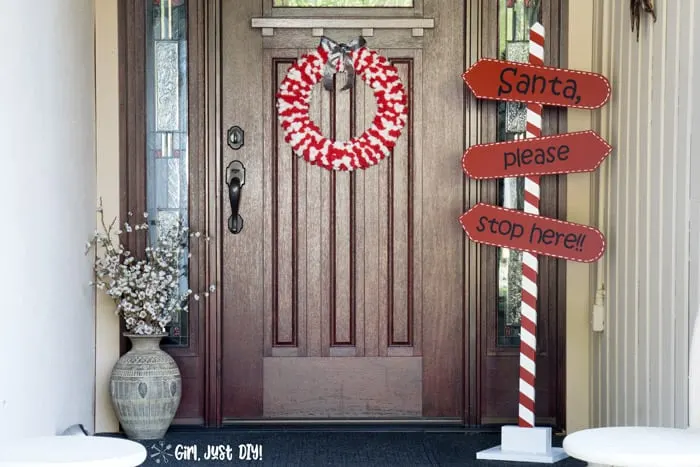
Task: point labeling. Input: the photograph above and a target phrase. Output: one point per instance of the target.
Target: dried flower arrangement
(146, 291)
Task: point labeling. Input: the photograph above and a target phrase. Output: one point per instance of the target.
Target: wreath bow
(339, 53)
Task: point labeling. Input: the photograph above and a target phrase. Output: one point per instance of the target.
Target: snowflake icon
(161, 451)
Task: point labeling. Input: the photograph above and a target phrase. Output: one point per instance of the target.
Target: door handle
(235, 179)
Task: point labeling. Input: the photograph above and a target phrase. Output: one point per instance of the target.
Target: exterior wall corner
(580, 204)
(107, 160)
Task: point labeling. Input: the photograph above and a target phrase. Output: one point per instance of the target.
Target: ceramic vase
(146, 388)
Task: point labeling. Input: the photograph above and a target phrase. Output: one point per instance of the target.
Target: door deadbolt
(235, 137)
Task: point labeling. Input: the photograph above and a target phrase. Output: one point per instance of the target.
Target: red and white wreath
(305, 137)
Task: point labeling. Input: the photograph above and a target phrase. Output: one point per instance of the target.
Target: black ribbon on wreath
(340, 53)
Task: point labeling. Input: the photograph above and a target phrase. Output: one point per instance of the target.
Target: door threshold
(440, 425)
(340, 424)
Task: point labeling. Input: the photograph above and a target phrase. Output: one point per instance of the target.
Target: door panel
(340, 242)
(326, 286)
(338, 270)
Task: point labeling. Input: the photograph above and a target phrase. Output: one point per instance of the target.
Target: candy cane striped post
(528, 307)
(525, 442)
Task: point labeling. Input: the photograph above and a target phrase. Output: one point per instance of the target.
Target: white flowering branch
(146, 291)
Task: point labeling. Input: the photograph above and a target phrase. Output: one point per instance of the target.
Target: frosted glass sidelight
(167, 156)
(515, 18)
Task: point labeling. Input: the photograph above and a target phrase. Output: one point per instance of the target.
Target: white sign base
(520, 444)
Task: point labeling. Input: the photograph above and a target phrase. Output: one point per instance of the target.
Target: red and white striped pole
(528, 308)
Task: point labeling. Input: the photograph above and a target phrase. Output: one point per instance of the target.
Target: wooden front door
(343, 293)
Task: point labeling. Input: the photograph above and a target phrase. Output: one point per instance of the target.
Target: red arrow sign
(522, 82)
(582, 151)
(517, 230)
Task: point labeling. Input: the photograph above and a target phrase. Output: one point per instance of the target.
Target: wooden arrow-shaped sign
(509, 228)
(581, 151)
(522, 82)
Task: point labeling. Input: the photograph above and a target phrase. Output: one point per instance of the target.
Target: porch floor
(335, 447)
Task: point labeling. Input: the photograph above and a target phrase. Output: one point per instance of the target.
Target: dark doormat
(329, 448)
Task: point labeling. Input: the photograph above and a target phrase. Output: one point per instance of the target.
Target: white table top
(635, 446)
(78, 451)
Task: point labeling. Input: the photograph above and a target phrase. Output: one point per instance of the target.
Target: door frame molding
(213, 148)
(203, 42)
(206, 136)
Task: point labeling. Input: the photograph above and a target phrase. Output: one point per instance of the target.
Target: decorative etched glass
(515, 18)
(344, 3)
(166, 124)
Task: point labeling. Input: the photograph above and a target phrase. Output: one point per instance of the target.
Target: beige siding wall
(640, 359)
(107, 140)
(579, 197)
